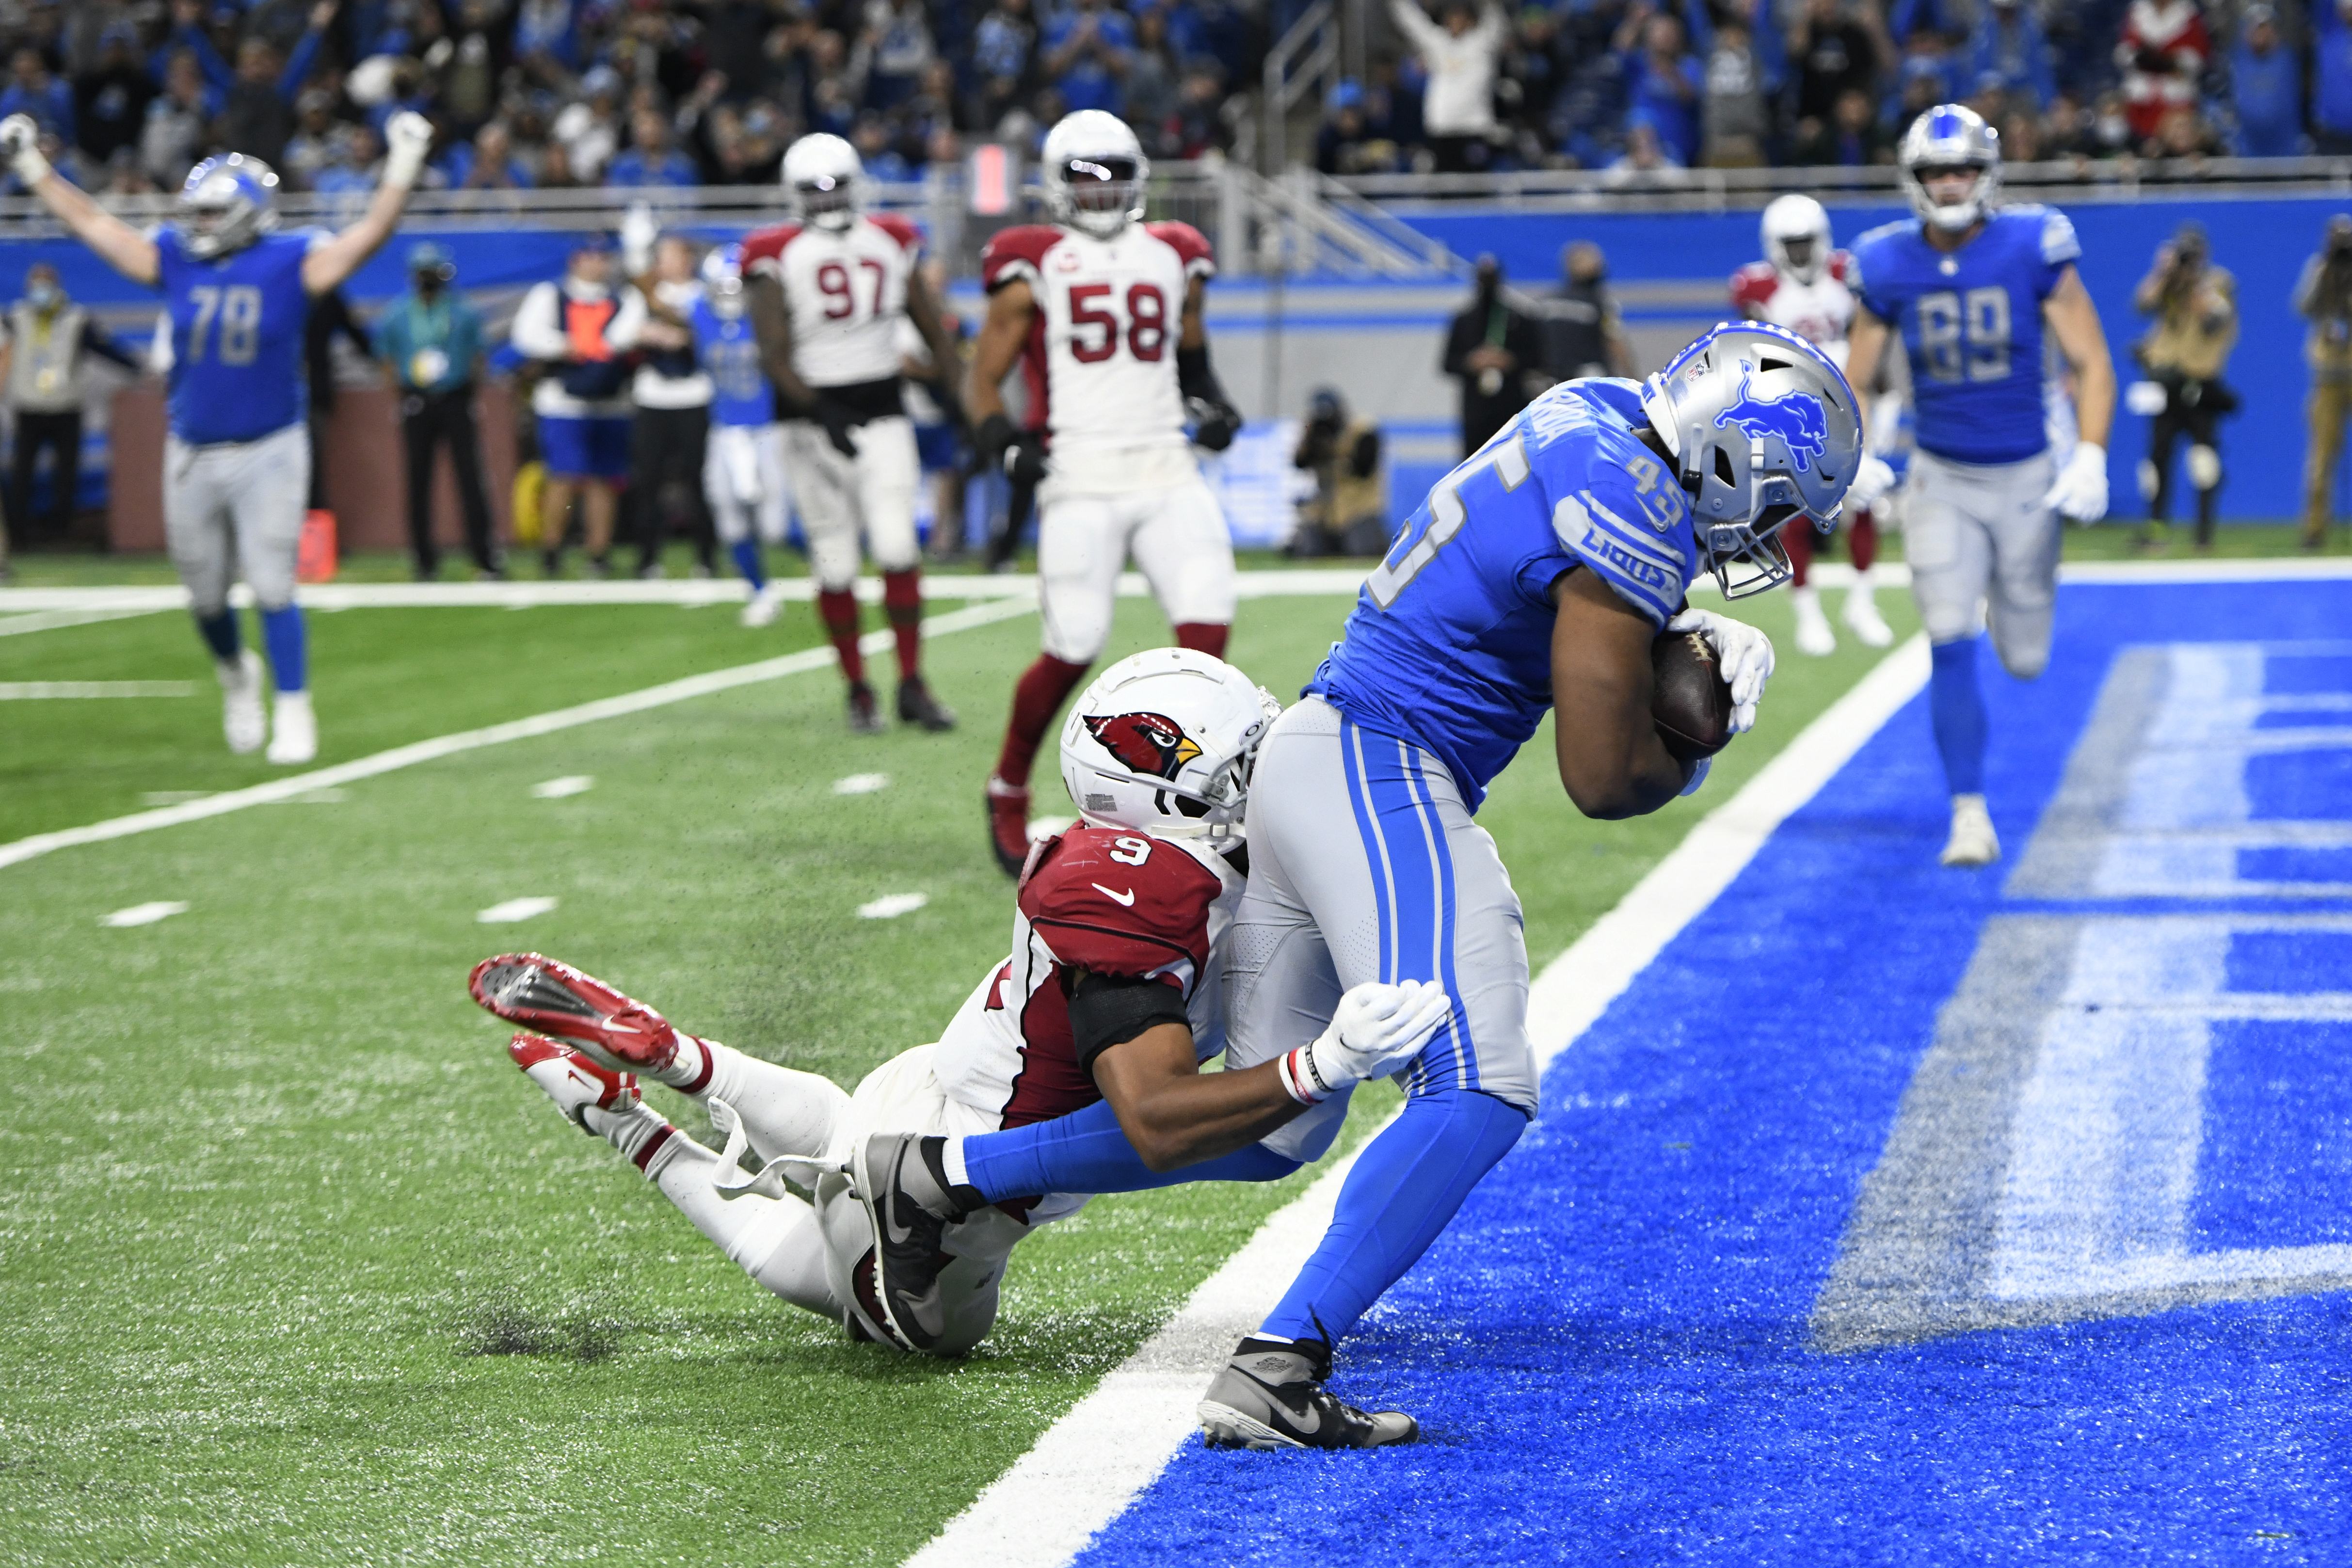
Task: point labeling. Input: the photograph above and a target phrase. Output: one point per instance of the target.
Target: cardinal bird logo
(1150, 743)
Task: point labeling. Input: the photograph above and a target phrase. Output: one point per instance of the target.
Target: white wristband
(31, 167)
(403, 164)
(1296, 1069)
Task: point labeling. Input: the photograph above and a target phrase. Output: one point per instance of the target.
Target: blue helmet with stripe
(226, 203)
(1949, 139)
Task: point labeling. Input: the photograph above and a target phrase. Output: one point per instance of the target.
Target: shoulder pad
(898, 228)
(2058, 245)
(1842, 265)
(1015, 255)
(1191, 247)
(764, 248)
(1754, 283)
(1101, 907)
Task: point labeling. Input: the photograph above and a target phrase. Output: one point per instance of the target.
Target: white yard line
(663, 696)
(28, 619)
(1092, 1462)
(53, 691)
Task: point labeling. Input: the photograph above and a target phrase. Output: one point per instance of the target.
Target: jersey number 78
(237, 311)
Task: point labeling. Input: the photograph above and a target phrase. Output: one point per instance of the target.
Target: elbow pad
(1109, 1010)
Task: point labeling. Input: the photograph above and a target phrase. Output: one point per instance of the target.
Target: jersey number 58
(1096, 333)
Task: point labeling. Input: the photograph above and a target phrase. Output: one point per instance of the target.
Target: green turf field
(294, 1268)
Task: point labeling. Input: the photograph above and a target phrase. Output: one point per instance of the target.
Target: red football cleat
(1008, 825)
(576, 1084)
(614, 1031)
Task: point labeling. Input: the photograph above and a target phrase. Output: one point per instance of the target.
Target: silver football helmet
(1163, 742)
(826, 180)
(1796, 236)
(1093, 171)
(1763, 429)
(1950, 137)
(227, 202)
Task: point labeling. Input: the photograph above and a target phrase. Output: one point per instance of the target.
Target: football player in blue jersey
(1972, 289)
(1538, 575)
(236, 465)
(743, 468)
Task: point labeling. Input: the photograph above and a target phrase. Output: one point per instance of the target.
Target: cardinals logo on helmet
(1150, 743)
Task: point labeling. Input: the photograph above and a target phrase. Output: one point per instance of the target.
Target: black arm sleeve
(1195, 379)
(1109, 1010)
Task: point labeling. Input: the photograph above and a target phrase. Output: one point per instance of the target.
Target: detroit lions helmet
(1795, 235)
(826, 180)
(1093, 171)
(1947, 139)
(1163, 742)
(1763, 428)
(228, 202)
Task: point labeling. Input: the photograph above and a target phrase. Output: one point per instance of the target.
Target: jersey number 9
(1147, 323)
(237, 311)
(840, 297)
(1965, 336)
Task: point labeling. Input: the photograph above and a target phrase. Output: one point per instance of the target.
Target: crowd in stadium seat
(538, 93)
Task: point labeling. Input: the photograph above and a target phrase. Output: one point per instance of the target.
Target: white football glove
(20, 145)
(1376, 1029)
(2080, 491)
(407, 137)
(639, 231)
(1742, 654)
(1871, 483)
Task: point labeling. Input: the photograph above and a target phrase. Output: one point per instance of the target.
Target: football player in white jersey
(1803, 284)
(1103, 314)
(826, 293)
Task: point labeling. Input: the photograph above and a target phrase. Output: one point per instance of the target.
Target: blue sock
(1955, 703)
(219, 633)
(281, 634)
(747, 561)
(1405, 1188)
(1086, 1151)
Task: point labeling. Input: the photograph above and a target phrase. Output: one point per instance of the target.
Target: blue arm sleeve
(1086, 1151)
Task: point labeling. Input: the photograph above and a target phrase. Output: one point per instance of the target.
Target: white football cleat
(1973, 842)
(1813, 634)
(577, 1085)
(1862, 619)
(241, 717)
(763, 609)
(294, 731)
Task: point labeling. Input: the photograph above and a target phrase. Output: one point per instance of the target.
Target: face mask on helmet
(224, 206)
(1797, 255)
(1102, 193)
(1165, 744)
(828, 202)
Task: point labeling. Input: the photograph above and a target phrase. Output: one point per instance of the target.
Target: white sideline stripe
(46, 691)
(51, 620)
(440, 746)
(1093, 1461)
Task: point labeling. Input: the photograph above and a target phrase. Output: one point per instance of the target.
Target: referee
(431, 340)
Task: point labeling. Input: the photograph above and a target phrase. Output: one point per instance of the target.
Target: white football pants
(1176, 537)
(1978, 534)
(819, 1256)
(743, 480)
(872, 494)
(235, 508)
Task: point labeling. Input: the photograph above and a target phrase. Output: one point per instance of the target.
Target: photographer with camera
(2195, 306)
(2324, 296)
(1350, 512)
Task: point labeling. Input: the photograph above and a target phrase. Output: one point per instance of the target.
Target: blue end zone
(1608, 1350)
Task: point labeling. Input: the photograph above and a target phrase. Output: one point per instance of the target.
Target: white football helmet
(1093, 172)
(826, 180)
(1163, 742)
(1763, 428)
(1796, 234)
(1948, 137)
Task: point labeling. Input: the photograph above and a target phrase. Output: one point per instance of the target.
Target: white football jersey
(1102, 365)
(1820, 313)
(845, 293)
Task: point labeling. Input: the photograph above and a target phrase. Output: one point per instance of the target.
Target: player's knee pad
(2148, 480)
(2204, 467)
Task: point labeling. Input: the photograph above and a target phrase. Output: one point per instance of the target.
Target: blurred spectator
(899, 41)
(1663, 79)
(1200, 126)
(465, 69)
(2323, 296)
(1852, 138)
(548, 30)
(32, 90)
(2185, 138)
(1344, 144)
(2266, 86)
(2331, 107)
(110, 98)
(44, 364)
(589, 130)
(670, 435)
(1496, 350)
(2162, 54)
(1736, 118)
(2185, 350)
(317, 134)
(355, 173)
(1457, 108)
(1002, 48)
(582, 328)
(430, 340)
(1584, 332)
(1086, 50)
(488, 163)
(1151, 83)
(1348, 514)
(258, 118)
(2007, 48)
(174, 136)
(1646, 160)
(652, 161)
(1833, 54)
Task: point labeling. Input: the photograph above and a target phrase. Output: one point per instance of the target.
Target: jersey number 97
(236, 311)
(1965, 337)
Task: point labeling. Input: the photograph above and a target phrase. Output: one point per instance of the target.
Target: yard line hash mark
(569, 784)
(143, 914)
(861, 783)
(514, 910)
(890, 906)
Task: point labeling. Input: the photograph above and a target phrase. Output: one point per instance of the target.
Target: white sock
(641, 1133)
(783, 1111)
(951, 1157)
(691, 1071)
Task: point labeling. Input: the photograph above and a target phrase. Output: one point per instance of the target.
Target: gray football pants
(1977, 533)
(1365, 865)
(236, 507)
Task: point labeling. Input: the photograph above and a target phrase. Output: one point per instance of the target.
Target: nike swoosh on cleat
(1126, 899)
(1308, 1421)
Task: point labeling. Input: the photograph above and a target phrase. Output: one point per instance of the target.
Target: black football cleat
(907, 1203)
(918, 706)
(864, 713)
(1271, 1395)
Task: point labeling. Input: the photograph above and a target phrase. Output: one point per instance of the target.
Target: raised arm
(330, 265)
(118, 244)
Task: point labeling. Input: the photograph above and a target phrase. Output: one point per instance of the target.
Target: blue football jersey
(236, 337)
(1449, 646)
(1972, 321)
(729, 353)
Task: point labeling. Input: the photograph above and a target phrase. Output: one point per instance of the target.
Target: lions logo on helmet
(226, 203)
(1147, 742)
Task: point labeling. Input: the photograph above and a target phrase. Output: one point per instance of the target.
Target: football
(1690, 701)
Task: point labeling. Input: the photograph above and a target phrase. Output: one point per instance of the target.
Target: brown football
(1689, 701)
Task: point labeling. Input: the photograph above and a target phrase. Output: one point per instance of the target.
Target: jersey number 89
(237, 311)
(1095, 333)
(1965, 336)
